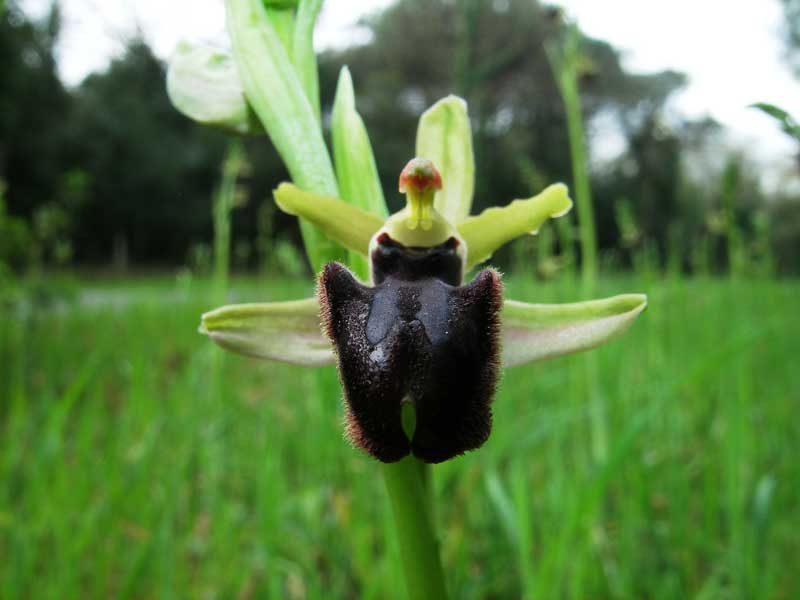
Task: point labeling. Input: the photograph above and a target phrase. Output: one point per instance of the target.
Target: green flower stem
(583, 195)
(567, 64)
(223, 205)
(418, 546)
(426, 475)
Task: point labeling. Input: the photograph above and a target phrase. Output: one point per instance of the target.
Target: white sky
(731, 50)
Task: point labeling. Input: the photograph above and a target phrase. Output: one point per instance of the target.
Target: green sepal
(496, 226)
(356, 171)
(444, 137)
(343, 223)
(203, 83)
(533, 332)
(284, 331)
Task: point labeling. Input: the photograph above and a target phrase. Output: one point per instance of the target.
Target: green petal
(494, 227)
(444, 137)
(344, 223)
(284, 331)
(356, 170)
(203, 84)
(534, 332)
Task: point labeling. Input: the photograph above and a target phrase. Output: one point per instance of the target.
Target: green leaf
(495, 226)
(444, 137)
(787, 122)
(203, 83)
(356, 170)
(282, 20)
(303, 55)
(274, 91)
(284, 331)
(343, 223)
(533, 332)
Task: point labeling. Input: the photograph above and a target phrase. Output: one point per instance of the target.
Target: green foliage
(33, 107)
(282, 93)
(15, 239)
(227, 198)
(570, 63)
(125, 474)
(151, 170)
(784, 119)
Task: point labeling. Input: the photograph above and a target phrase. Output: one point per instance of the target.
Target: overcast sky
(731, 51)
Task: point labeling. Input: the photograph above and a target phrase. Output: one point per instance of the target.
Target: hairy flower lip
(421, 341)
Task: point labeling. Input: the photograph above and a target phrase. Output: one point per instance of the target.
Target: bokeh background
(137, 461)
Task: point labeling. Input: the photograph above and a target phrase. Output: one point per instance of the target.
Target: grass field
(139, 461)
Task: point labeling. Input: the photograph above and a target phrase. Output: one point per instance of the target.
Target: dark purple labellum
(420, 337)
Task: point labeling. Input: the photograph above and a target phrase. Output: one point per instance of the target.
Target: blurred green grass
(139, 461)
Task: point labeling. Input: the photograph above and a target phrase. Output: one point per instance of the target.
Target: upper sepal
(444, 136)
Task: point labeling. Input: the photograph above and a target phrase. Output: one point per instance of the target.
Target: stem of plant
(223, 206)
(567, 63)
(566, 66)
(419, 549)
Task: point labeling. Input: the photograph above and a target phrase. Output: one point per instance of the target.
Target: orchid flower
(419, 352)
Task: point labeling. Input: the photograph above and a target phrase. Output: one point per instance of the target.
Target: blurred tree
(791, 13)
(150, 171)
(33, 109)
(112, 169)
(491, 52)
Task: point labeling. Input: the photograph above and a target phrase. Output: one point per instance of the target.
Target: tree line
(109, 173)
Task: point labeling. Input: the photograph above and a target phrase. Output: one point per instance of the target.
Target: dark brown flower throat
(416, 336)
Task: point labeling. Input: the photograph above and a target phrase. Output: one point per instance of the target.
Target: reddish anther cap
(420, 175)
